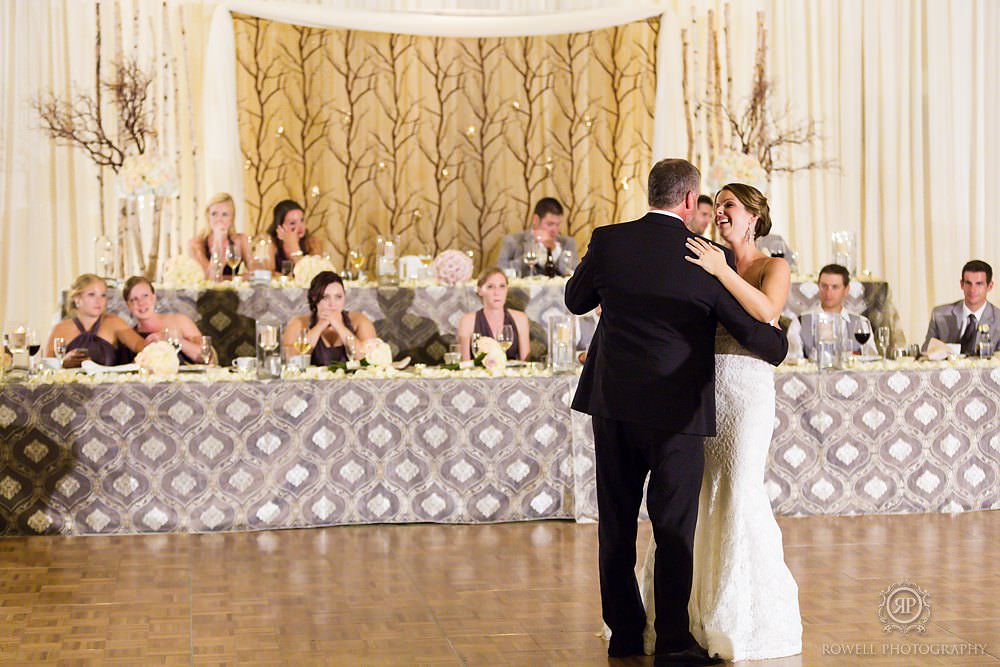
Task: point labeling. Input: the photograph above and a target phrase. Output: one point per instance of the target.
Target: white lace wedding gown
(744, 602)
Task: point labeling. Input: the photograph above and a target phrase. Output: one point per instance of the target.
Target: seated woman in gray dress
(490, 319)
(90, 332)
(332, 332)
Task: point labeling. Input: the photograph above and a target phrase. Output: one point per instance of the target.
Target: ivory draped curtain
(904, 90)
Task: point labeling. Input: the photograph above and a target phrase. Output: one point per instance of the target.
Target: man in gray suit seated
(544, 239)
(833, 282)
(961, 321)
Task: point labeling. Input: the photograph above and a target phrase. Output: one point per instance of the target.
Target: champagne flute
(473, 343)
(216, 265)
(530, 259)
(205, 351)
(882, 338)
(506, 337)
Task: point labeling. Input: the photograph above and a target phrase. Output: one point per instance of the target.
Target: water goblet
(882, 338)
(59, 348)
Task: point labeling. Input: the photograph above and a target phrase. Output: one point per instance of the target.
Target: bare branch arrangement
(756, 129)
(79, 122)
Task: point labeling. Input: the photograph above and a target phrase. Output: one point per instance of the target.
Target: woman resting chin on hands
(332, 333)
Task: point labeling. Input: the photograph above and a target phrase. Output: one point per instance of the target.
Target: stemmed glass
(205, 351)
(882, 338)
(173, 336)
(506, 337)
(862, 332)
(356, 261)
(233, 257)
(530, 259)
(473, 342)
(216, 265)
(59, 348)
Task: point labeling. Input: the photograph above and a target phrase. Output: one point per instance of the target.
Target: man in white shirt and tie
(833, 282)
(961, 322)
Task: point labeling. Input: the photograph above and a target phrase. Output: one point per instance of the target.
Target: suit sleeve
(767, 342)
(507, 253)
(932, 332)
(581, 289)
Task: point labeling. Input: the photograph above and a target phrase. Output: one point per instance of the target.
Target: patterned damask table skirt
(135, 457)
(421, 321)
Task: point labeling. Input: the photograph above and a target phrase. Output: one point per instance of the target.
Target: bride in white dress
(744, 602)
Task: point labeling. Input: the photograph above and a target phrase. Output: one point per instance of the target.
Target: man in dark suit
(648, 384)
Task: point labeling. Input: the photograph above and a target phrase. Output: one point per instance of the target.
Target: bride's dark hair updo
(755, 203)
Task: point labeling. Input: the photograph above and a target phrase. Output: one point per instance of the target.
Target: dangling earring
(748, 239)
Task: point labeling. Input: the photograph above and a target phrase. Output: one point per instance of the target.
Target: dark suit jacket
(652, 360)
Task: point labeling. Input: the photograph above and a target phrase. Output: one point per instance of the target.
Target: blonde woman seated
(491, 318)
(140, 297)
(290, 239)
(332, 332)
(90, 332)
(219, 236)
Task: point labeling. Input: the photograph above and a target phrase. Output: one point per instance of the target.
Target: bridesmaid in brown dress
(89, 331)
(329, 328)
(488, 320)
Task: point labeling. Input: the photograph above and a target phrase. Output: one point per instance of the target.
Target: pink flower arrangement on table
(452, 267)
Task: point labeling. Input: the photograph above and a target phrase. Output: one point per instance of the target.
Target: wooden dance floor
(508, 594)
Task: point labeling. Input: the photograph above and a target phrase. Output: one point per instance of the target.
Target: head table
(419, 318)
(216, 451)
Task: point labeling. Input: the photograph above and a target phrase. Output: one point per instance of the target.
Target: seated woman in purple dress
(219, 236)
(490, 319)
(90, 332)
(330, 330)
(290, 238)
(140, 297)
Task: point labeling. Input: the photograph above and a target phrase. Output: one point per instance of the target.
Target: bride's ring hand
(708, 256)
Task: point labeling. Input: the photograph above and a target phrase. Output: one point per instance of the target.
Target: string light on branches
(315, 191)
(471, 131)
(246, 164)
(417, 214)
(588, 121)
(347, 118)
(548, 164)
(381, 166)
(625, 183)
(281, 130)
(444, 172)
(516, 104)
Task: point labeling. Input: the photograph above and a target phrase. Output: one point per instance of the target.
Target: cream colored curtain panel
(904, 91)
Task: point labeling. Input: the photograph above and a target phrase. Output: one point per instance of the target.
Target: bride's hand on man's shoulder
(706, 255)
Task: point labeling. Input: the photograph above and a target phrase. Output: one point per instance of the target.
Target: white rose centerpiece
(159, 359)
(451, 267)
(490, 355)
(147, 174)
(735, 167)
(182, 271)
(309, 267)
(376, 352)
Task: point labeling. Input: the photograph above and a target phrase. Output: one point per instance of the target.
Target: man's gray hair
(669, 180)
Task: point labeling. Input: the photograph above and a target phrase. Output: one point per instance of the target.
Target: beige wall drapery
(905, 91)
(445, 141)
